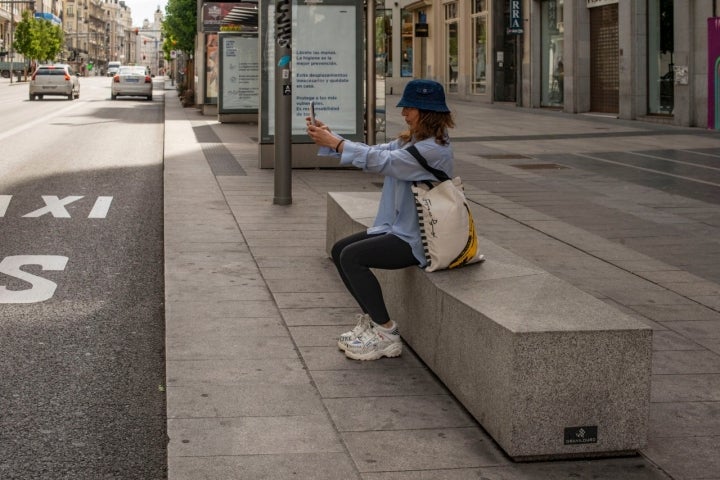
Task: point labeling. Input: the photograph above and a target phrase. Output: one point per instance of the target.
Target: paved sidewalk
(257, 389)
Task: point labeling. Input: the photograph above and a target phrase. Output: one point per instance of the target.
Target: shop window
(604, 59)
(406, 44)
(211, 68)
(479, 14)
(451, 47)
(383, 43)
(660, 57)
(479, 6)
(553, 70)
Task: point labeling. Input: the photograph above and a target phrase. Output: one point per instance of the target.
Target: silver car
(57, 79)
(132, 81)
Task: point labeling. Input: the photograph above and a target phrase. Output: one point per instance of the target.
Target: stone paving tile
(309, 284)
(373, 382)
(426, 449)
(257, 237)
(316, 251)
(685, 362)
(686, 458)
(232, 257)
(315, 336)
(193, 277)
(314, 299)
(607, 469)
(198, 311)
(237, 346)
(696, 329)
(249, 372)
(684, 419)
(324, 268)
(262, 400)
(675, 313)
(398, 413)
(712, 344)
(685, 388)
(299, 466)
(252, 436)
(214, 294)
(336, 318)
(669, 340)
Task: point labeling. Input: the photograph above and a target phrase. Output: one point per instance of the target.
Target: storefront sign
(600, 3)
(421, 30)
(516, 22)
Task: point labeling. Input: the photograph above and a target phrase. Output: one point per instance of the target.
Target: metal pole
(370, 80)
(283, 103)
(12, 39)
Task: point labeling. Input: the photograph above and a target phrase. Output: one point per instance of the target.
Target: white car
(132, 82)
(58, 79)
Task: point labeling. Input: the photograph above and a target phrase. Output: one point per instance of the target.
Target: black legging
(355, 255)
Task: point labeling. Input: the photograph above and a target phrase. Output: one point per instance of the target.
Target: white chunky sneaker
(347, 337)
(373, 344)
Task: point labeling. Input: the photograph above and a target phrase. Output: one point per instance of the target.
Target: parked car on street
(57, 79)
(132, 81)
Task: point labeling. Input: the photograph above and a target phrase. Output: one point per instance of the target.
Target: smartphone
(312, 112)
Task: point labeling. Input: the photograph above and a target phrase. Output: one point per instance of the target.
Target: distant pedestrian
(393, 242)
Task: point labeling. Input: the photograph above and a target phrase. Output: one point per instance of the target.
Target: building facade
(149, 44)
(634, 59)
(95, 31)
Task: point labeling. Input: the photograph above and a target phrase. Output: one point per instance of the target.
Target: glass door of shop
(504, 56)
(553, 71)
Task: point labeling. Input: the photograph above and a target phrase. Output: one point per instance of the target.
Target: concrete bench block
(548, 370)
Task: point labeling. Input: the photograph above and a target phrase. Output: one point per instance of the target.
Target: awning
(49, 17)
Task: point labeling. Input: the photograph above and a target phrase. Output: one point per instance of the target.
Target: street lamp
(12, 34)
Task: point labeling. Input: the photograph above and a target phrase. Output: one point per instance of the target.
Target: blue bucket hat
(424, 95)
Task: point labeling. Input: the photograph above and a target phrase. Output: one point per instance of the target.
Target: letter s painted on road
(42, 289)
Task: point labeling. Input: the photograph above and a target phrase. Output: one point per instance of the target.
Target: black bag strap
(439, 174)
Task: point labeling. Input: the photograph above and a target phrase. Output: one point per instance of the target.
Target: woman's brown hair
(431, 125)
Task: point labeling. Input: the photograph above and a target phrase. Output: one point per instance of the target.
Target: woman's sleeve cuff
(328, 152)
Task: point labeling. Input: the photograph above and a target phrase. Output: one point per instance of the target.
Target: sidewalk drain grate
(503, 156)
(540, 166)
(221, 161)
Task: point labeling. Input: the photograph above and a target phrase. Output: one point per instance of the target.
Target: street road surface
(82, 367)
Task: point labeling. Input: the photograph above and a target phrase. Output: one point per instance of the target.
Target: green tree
(180, 26)
(37, 38)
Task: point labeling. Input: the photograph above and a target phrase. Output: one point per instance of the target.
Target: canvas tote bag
(447, 228)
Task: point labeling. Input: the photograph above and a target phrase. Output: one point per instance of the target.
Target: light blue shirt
(397, 213)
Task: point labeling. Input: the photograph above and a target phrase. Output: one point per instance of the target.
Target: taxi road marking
(55, 206)
(42, 289)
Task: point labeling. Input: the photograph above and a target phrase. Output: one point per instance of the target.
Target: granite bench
(548, 370)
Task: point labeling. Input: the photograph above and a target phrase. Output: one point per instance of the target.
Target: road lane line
(646, 169)
(675, 161)
(40, 119)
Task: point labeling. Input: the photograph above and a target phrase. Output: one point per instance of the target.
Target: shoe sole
(394, 351)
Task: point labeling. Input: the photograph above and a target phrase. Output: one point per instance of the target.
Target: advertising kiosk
(325, 67)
